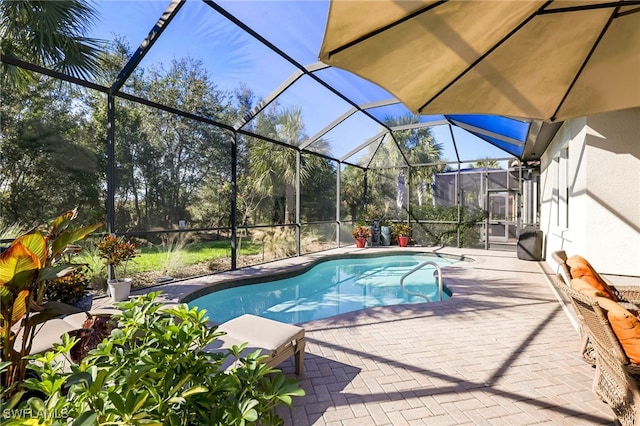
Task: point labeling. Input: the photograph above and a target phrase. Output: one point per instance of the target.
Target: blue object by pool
(330, 288)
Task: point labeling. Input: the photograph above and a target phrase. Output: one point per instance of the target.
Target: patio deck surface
(501, 351)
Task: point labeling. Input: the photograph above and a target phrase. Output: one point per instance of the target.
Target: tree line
(168, 168)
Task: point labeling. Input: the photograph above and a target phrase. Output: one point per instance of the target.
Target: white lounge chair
(275, 339)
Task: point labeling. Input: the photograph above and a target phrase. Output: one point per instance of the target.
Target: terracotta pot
(403, 241)
(360, 242)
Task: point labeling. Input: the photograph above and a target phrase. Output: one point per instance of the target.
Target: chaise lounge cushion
(275, 339)
(580, 285)
(581, 268)
(224, 343)
(261, 332)
(46, 334)
(625, 325)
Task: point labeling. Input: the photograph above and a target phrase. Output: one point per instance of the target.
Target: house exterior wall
(594, 164)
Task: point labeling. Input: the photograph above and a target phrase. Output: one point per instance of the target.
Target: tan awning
(511, 58)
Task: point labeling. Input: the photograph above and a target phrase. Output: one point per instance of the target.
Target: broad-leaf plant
(154, 369)
(26, 265)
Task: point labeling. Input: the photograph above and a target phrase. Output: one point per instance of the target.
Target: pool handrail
(420, 266)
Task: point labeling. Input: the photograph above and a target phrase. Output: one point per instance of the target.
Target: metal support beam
(458, 183)
(455, 146)
(444, 163)
(412, 126)
(407, 190)
(479, 131)
(146, 44)
(234, 201)
(338, 177)
(459, 203)
(298, 226)
(328, 128)
(111, 167)
(268, 100)
(378, 104)
(363, 145)
(484, 187)
(520, 198)
(111, 163)
(365, 196)
(51, 73)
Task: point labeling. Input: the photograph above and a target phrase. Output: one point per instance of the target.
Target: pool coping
(501, 351)
(290, 272)
(184, 291)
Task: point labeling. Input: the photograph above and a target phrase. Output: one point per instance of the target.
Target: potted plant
(72, 289)
(402, 232)
(116, 253)
(361, 233)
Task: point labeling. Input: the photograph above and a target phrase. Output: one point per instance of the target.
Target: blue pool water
(329, 288)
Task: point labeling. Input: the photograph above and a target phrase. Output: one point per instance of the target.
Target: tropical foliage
(361, 232)
(26, 266)
(415, 145)
(153, 369)
(116, 252)
(46, 145)
(400, 230)
(70, 288)
(273, 166)
(490, 164)
(352, 193)
(48, 33)
(168, 168)
(441, 225)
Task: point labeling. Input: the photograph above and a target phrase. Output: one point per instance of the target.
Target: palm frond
(50, 34)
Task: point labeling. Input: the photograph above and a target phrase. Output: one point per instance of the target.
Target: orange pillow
(626, 327)
(581, 286)
(580, 268)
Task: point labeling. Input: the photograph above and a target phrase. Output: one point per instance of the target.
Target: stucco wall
(604, 192)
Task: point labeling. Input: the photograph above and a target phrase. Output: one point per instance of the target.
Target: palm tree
(49, 34)
(274, 166)
(489, 164)
(418, 146)
(352, 195)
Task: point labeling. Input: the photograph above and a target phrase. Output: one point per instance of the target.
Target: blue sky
(233, 58)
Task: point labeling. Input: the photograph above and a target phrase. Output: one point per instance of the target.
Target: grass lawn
(169, 257)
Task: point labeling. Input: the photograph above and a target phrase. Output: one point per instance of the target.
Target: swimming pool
(330, 288)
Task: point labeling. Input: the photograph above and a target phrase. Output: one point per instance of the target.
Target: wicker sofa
(611, 334)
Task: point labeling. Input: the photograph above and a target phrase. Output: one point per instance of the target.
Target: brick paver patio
(501, 351)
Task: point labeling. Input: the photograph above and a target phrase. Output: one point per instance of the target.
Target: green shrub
(153, 370)
(70, 288)
(447, 233)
